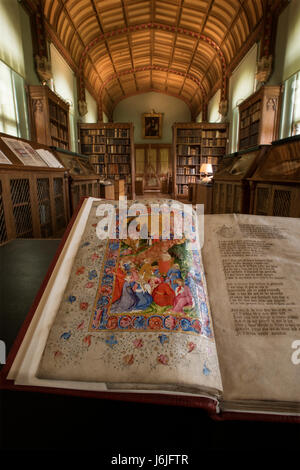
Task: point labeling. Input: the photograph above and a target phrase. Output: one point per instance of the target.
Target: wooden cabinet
(50, 117)
(107, 191)
(231, 190)
(83, 181)
(111, 152)
(258, 118)
(119, 188)
(204, 195)
(33, 197)
(195, 144)
(139, 186)
(277, 200)
(275, 186)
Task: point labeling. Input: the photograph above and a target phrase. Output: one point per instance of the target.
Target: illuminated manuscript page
(125, 315)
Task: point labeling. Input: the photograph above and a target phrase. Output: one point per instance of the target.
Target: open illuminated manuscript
(165, 315)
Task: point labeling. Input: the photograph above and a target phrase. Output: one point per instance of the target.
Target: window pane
(234, 130)
(296, 120)
(8, 118)
(140, 161)
(21, 108)
(73, 137)
(164, 160)
(287, 108)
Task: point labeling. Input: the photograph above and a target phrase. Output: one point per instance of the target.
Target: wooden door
(153, 166)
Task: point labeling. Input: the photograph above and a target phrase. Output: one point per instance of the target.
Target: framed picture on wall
(152, 125)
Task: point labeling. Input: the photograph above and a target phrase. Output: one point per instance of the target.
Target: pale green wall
(213, 114)
(287, 50)
(242, 84)
(199, 117)
(64, 84)
(30, 73)
(292, 52)
(15, 40)
(11, 47)
(92, 114)
(132, 108)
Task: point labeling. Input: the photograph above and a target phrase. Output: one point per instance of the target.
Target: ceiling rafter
(178, 44)
(105, 42)
(241, 8)
(178, 16)
(149, 68)
(129, 42)
(152, 11)
(159, 27)
(209, 6)
(64, 8)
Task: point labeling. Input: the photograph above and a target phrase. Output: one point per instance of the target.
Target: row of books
(57, 113)
(186, 179)
(189, 132)
(213, 134)
(118, 133)
(188, 150)
(118, 149)
(99, 139)
(58, 143)
(187, 171)
(109, 158)
(114, 132)
(206, 151)
(100, 169)
(214, 142)
(93, 139)
(111, 172)
(188, 160)
(58, 132)
(248, 142)
(93, 148)
(201, 133)
(250, 130)
(250, 119)
(253, 109)
(87, 132)
(182, 189)
(111, 141)
(211, 160)
(189, 140)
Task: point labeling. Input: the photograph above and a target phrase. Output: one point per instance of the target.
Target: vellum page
(133, 314)
(252, 266)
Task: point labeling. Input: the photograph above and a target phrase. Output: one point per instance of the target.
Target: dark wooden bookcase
(259, 118)
(49, 116)
(193, 145)
(110, 148)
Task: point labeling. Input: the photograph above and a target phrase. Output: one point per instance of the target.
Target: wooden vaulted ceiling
(179, 47)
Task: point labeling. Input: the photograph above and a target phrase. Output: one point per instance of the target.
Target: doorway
(153, 166)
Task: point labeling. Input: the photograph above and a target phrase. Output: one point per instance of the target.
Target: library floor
(104, 428)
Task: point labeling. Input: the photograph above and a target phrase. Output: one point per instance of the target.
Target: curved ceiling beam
(158, 26)
(144, 68)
